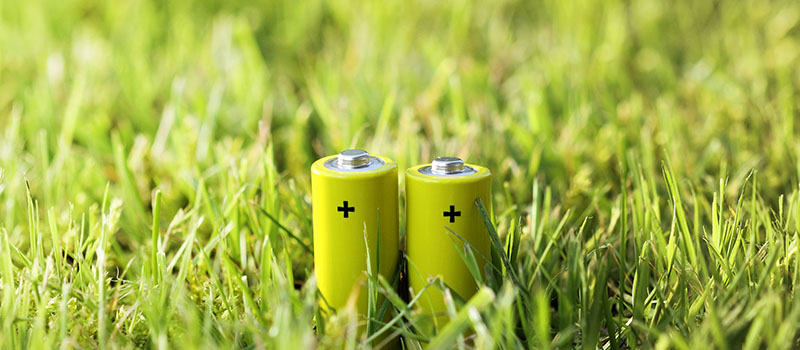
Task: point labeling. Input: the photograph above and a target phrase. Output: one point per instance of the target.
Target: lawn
(155, 155)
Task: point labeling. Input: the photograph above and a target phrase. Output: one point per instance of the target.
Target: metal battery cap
(447, 166)
(354, 160)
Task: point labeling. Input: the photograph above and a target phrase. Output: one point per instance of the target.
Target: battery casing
(433, 251)
(347, 205)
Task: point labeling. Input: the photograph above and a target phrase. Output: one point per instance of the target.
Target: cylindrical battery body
(435, 202)
(349, 204)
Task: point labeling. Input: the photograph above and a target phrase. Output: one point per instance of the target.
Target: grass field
(154, 166)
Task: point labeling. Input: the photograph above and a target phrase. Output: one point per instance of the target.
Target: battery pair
(355, 216)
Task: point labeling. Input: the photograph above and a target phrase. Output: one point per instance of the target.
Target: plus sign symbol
(452, 213)
(346, 209)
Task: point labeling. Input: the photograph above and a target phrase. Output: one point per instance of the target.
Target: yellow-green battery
(442, 195)
(353, 194)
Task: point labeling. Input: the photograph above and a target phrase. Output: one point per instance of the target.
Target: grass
(154, 167)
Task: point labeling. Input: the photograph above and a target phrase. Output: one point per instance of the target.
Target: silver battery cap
(447, 166)
(354, 160)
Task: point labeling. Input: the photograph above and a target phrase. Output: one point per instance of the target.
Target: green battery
(354, 194)
(442, 195)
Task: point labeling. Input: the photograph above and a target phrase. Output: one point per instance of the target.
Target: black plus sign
(346, 209)
(452, 213)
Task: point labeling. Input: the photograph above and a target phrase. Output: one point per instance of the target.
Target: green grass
(154, 167)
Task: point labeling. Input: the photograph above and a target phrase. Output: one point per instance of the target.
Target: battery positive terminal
(352, 159)
(447, 165)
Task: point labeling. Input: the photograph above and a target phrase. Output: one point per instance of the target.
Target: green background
(645, 156)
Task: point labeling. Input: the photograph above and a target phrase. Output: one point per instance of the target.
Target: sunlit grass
(154, 168)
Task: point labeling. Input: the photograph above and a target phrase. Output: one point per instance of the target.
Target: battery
(354, 194)
(439, 196)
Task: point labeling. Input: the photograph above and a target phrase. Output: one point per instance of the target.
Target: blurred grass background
(602, 121)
